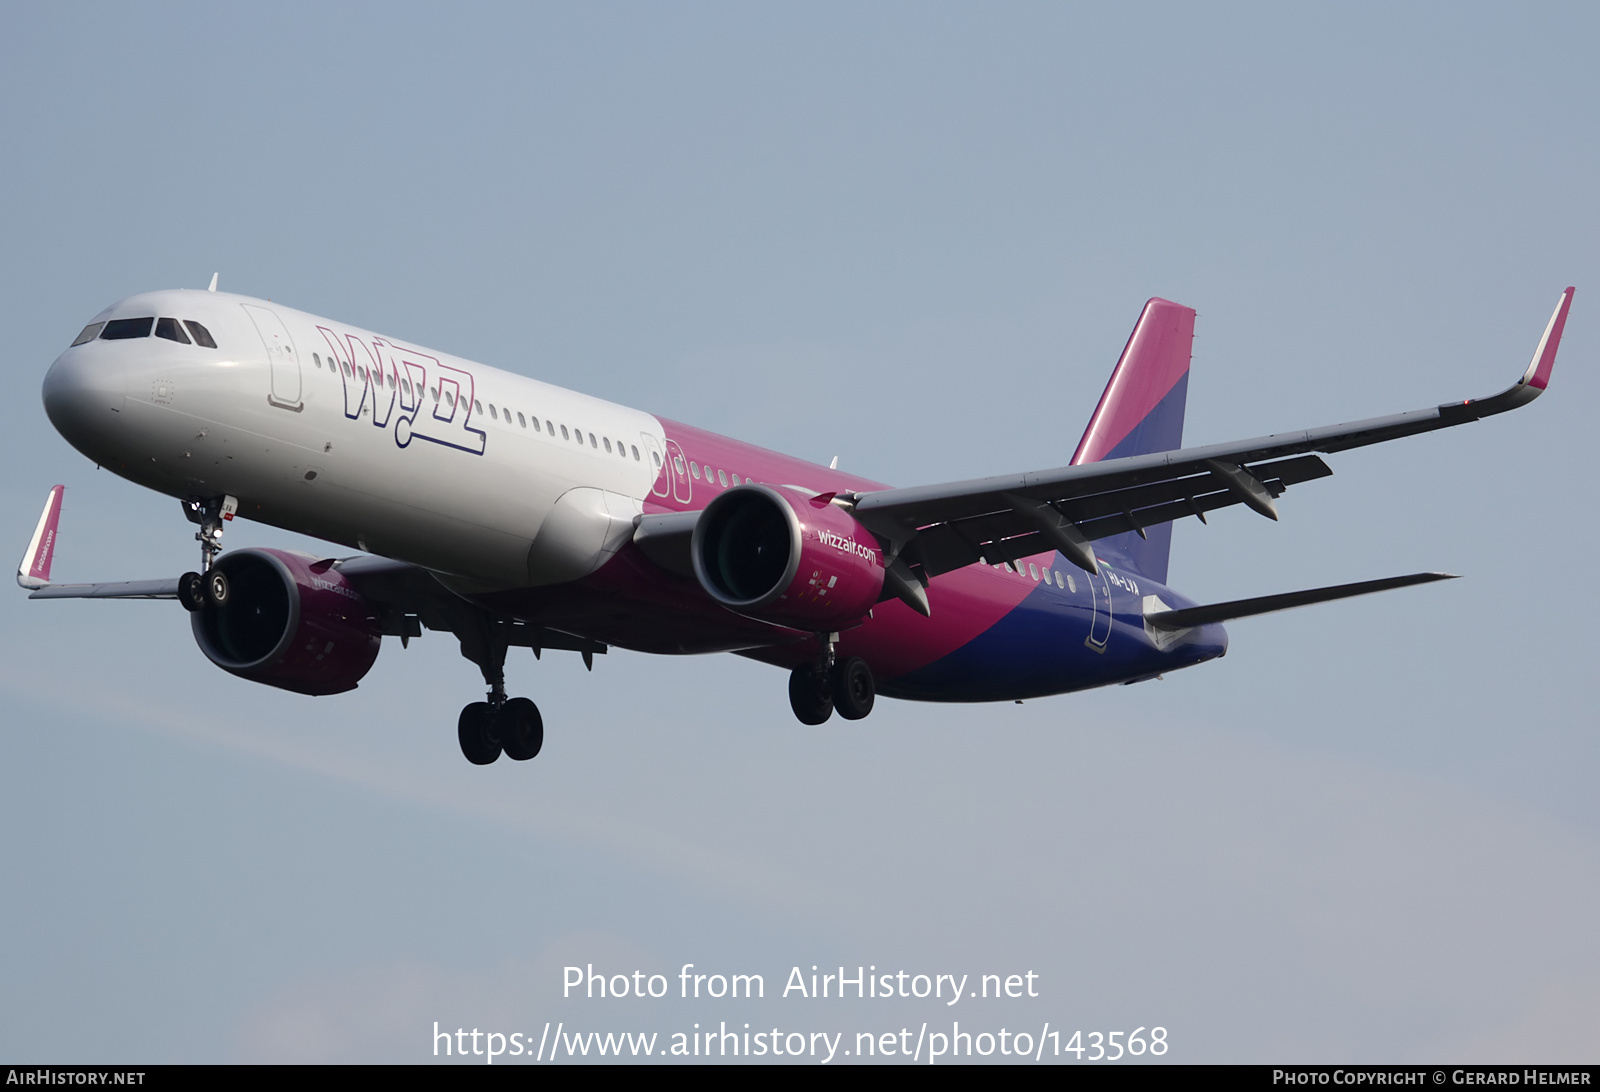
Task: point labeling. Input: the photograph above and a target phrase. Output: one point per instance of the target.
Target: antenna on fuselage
(213, 287)
(835, 464)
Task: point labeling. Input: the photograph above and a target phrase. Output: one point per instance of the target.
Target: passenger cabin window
(523, 421)
(123, 329)
(90, 332)
(477, 406)
(202, 336)
(169, 329)
(635, 452)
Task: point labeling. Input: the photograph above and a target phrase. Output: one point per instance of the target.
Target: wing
(404, 598)
(409, 598)
(936, 528)
(124, 589)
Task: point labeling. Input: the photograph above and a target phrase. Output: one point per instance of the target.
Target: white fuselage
(349, 436)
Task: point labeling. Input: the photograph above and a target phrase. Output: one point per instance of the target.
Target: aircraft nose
(83, 395)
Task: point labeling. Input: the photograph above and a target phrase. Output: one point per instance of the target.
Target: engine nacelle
(787, 558)
(291, 622)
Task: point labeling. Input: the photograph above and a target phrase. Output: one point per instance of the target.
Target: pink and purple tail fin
(1140, 413)
(34, 572)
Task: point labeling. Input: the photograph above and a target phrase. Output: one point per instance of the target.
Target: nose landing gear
(209, 591)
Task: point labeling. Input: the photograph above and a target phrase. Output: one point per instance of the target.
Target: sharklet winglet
(34, 572)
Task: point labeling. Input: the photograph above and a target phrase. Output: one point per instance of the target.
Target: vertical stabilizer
(1141, 412)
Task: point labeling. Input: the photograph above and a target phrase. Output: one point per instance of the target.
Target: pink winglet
(1544, 357)
(34, 572)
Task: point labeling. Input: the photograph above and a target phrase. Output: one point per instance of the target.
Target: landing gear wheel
(191, 592)
(853, 688)
(808, 696)
(475, 729)
(216, 589)
(521, 729)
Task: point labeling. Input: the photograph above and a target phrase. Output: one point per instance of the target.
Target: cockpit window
(90, 332)
(169, 329)
(202, 336)
(123, 328)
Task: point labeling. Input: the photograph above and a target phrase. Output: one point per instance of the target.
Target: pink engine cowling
(291, 621)
(786, 558)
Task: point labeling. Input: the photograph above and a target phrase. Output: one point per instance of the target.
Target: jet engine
(787, 558)
(289, 621)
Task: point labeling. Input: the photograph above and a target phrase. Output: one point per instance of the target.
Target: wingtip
(1544, 357)
(1533, 381)
(34, 572)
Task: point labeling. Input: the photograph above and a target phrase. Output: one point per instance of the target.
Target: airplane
(515, 514)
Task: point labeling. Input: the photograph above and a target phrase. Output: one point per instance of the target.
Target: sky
(914, 236)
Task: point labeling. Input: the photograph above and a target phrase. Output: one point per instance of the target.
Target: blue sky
(915, 237)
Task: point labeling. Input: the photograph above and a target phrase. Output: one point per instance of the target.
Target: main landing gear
(486, 728)
(514, 726)
(818, 689)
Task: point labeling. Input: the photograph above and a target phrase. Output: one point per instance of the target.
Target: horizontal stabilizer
(1244, 608)
(126, 589)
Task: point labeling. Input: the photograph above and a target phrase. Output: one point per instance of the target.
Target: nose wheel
(208, 592)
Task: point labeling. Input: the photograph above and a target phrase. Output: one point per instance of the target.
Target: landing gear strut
(486, 728)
